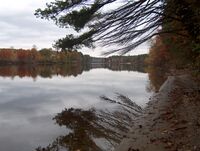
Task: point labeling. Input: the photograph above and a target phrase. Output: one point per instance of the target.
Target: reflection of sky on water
(27, 106)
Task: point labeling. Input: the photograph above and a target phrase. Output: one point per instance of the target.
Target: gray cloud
(21, 29)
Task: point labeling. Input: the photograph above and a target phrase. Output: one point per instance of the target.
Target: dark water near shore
(57, 108)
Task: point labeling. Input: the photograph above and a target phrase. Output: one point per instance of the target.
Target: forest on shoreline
(49, 56)
(48, 62)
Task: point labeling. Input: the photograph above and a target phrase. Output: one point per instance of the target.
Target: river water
(54, 109)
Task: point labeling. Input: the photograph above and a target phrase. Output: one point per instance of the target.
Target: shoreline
(171, 120)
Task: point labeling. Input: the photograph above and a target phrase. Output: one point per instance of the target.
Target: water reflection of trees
(157, 77)
(126, 67)
(47, 71)
(88, 126)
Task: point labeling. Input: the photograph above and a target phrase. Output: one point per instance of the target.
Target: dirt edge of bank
(170, 122)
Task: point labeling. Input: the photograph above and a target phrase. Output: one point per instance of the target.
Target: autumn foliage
(43, 56)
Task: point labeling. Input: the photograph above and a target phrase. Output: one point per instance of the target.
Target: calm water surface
(56, 112)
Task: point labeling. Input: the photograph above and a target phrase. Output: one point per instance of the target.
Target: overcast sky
(21, 29)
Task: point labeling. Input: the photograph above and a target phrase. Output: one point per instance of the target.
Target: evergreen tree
(128, 26)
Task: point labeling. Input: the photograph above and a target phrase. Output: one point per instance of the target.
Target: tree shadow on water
(94, 129)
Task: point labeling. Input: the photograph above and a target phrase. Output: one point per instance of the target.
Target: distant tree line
(43, 56)
(49, 56)
(131, 63)
(46, 63)
(137, 60)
